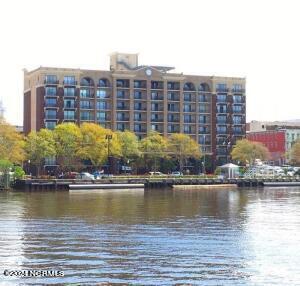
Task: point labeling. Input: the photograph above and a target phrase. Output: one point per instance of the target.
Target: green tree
(153, 147)
(67, 138)
(246, 151)
(182, 147)
(295, 152)
(11, 143)
(129, 145)
(38, 146)
(5, 166)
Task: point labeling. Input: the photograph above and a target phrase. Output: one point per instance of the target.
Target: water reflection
(222, 237)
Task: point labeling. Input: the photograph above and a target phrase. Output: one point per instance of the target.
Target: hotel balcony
(173, 96)
(157, 95)
(141, 84)
(51, 82)
(70, 82)
(123, 83)
(173, 86)
(123, 94)
(225, 89)
(157, 85)
(242, 90)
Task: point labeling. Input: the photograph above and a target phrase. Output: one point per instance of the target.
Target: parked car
(156, 174)
(85, 176)
(177, 173)
(68, 175)
(98, 174)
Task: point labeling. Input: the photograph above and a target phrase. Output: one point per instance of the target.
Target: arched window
(87, 81)
(189, 86)
(204, 87)
(103, 82)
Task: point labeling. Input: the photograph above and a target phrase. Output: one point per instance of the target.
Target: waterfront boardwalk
(148, 183)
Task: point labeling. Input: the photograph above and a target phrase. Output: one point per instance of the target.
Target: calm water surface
(224, 237)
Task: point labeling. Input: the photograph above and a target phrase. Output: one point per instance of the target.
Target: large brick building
(139, 98)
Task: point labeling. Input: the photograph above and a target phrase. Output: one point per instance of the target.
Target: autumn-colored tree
(129, 145)
(11, 143)
(183, 147)
(38, 146)
(295, 152)
(246, 151)
(93, 144)
(153, 147)
(67, 138)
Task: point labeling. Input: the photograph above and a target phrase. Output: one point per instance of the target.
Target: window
(173, 85)
(154, 106)
(173, 107)
(121, 105)
(222, 108)
(237, 119)
(154, 127)
(120, 126)
(121, 93)
(187, 118)
(102, 105)
(85, 93)
(51, 79)
(237, 88)
(86, 115)
(187, 129)
(103, 82)
(85, 104)
(140, 84)
(237, 108)
(69, 80)
(137, 94)
(203, 130)
(138, 106)
(221, 97)
(138, 116)
(237, 129)
(50, 91)
(221, 129)
(222, 87)
(69, 114)
(203, 119)
(237, 99)
(187, 97)
(187, 108)
(69, 91)
(50, 114)
(203, 108)
(101, 94)
(50, 124)
(157, 85)
(101, 116)
(137, 128)
(69, 103)
(173, 96)
(203, 98)
(123, 83)
(221, 119)
(50, 102)
(122, 116)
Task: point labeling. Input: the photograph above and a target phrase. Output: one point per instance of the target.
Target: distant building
(257, 126)
(274, 140)
(278, 137)
(140, 98)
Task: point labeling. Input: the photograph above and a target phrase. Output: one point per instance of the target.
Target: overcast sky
(258, 40)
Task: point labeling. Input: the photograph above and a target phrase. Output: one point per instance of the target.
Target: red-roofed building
(274, 140)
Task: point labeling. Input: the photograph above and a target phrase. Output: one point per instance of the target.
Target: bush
(19, 173)
(218, 171)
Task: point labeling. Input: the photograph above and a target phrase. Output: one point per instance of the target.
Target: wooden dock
(147, 183)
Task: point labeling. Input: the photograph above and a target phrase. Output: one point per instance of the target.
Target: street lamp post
(108, 137)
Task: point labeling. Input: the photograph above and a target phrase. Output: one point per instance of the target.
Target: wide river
(158, 237)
